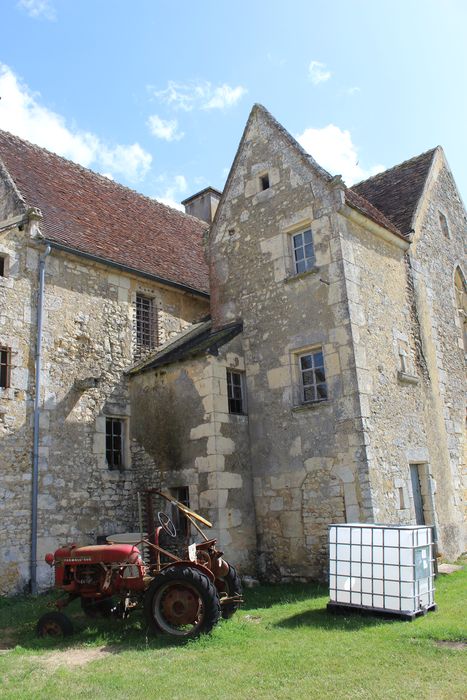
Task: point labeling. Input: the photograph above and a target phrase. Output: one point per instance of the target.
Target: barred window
(114, 433)
(146, 327)
(235, 392)
(303, 251)
(313, 379)
(5, 367)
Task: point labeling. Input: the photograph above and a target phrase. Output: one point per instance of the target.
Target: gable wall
(308, 462)
(434, 259)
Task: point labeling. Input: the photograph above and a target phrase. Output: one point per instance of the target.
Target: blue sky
(156, 94)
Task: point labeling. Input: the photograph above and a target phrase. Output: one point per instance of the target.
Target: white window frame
(308, 260)
(313, 353)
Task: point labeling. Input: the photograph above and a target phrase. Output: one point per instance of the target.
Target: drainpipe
(35, 464)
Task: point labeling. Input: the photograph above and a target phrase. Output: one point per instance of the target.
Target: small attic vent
(264, 182)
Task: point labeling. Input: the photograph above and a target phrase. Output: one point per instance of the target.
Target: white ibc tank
(383, 567)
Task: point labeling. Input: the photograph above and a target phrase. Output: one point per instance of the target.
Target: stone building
(123, 274)
(325, 386)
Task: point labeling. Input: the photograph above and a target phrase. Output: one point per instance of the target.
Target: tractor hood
(93, 554)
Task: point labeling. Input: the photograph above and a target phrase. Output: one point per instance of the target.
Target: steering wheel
(167, 524)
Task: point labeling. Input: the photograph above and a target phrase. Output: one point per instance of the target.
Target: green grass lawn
(281, 644)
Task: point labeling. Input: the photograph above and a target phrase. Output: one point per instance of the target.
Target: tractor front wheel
(54, 624)
(181, 602)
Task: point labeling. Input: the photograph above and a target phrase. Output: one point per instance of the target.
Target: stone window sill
(310, 406)
(312, 271)
(405, 378)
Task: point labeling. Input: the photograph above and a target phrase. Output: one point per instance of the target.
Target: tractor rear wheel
(181, 602)
(54, 624)
(233, 587)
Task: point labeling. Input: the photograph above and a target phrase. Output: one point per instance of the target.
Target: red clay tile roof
(365, 207)
(397, 191)
(96, 216)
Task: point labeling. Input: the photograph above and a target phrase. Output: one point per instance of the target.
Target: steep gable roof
(90, 214)
(397, 191)
(354, 199)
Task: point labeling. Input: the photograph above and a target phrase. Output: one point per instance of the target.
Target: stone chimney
(203, 204)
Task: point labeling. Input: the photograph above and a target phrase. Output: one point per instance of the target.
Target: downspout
(35, 464)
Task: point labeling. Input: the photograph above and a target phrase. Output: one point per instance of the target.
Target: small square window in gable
(3, 265)
(264, 182)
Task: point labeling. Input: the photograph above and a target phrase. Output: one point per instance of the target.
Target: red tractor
(183, 594)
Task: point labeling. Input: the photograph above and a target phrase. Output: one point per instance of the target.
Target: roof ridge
(107, 180)
(395, 167)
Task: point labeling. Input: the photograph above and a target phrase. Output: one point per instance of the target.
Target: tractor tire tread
(234, 587)
(207, 590)
(56, 618)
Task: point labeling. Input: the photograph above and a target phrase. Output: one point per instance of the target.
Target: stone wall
(181, 423)
(87, 346)
(308, 461)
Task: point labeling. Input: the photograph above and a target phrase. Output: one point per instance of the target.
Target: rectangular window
(2, 266)
(264, 182)
(235, 392)
(5, 367)
(415, 470)
(146, 330)
(313, 379)
(303, 252)
(114, 434)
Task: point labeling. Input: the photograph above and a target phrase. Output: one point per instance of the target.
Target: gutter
(370, 225)
(35, 463)
(126, 268)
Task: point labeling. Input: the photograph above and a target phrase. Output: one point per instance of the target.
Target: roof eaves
(125, 268)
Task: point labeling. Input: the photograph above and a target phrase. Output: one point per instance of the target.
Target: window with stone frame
(461, 303)
(236, 392)
(115, 443)
(312, 377)
(443, 223)
(5, 367)
(3, 266)
(146, 327)
(303, 251)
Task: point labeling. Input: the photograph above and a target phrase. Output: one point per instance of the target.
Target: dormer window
(264, 182)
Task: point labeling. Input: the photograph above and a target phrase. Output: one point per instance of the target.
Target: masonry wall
(434, 259)
(182, 425)
(308, 461)
(87, 345)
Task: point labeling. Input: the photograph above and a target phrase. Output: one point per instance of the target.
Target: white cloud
(334, 150)
(201, 95)
(318, 72)
(175, 188)
(353, 90)
(38, 8)
(164, 129)
(23, 115)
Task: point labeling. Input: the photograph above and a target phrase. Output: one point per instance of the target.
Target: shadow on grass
(348, 621)
(19, 617)
(267, 596)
